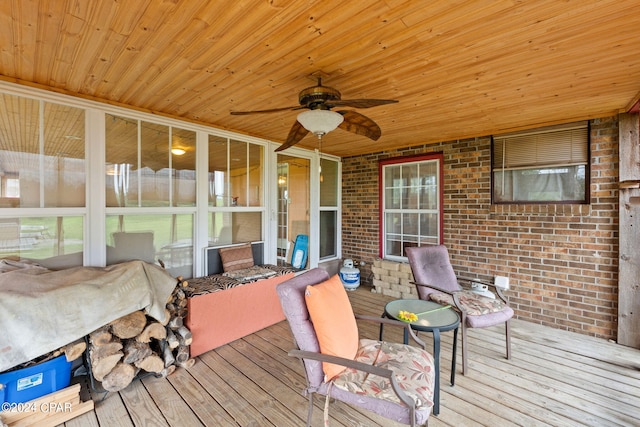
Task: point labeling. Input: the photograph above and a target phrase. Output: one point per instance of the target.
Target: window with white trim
(546, 165)
(411, 205)
(329, 214)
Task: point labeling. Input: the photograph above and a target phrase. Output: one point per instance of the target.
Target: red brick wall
(561, 259)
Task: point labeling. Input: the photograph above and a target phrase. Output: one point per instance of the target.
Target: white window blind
(560, 145)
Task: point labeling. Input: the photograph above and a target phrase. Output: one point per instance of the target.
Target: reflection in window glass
(235, 173)
(234, 227)
(328, 234)
(47, 171)
(328, 182)
(54, 242)
(159, 173)
(121, 161)
(549, 185)
(254, 190)
(154, 164)
(165, 237)
(64, 156)
(183, 163)
(238, 173)
(218, 176)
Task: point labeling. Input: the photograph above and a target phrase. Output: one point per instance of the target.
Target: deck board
(208, 410)
(555, 378)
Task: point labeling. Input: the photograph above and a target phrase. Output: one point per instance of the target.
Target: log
(135, 350)
(102, 367)
(187, 364)
(130, 325)
(101, 351)
(152, 330)
(179, 294)
(100, 336)
(152, 363)
(74, 350)
(166, 371)
(175, 322)
(184, 335)
(182, 354)
(169, 359)
(172, 340)
(119, 377)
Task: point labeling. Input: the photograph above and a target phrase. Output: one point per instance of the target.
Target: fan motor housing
(315, 96)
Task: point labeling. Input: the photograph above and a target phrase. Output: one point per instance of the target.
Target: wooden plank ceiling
(458, 68)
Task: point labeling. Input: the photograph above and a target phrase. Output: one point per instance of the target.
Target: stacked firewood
(178, 336)
(120, 350)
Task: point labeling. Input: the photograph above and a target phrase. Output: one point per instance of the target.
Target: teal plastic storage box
(30, 383)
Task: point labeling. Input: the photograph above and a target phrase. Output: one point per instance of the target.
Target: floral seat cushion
(472, 303)
(413, 368)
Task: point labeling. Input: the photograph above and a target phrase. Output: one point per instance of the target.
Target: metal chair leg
(508, 338)
(310, 410)
(464, 348)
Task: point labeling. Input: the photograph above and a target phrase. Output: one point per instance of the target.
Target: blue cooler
(30, 383)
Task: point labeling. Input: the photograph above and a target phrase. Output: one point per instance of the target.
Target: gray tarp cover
(42, 310)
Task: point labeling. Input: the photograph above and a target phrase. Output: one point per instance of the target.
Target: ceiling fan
(319, 119)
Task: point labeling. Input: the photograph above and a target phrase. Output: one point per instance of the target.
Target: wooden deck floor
(555, 378)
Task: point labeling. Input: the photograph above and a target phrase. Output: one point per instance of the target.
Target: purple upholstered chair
(391, 385)
(436, 281)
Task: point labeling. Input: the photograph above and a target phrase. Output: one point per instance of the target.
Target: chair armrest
(387, 321)
(435, 288)
(374, 370)
(475, 280)
(342, 361)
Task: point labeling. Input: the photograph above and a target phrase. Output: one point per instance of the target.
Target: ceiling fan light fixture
(320, 122)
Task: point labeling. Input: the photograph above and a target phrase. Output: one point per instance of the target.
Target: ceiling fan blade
(360, 125)
(273, 110)
(296, 133)
(361, 103)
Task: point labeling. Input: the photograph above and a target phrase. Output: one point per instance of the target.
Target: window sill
(542, 209)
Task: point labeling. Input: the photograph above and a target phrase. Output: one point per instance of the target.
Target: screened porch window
(549, 165)
(236, 196)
